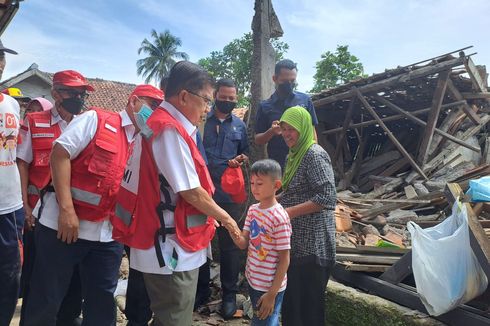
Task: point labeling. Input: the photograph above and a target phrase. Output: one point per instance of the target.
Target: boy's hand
(232, 228)
(266, 305)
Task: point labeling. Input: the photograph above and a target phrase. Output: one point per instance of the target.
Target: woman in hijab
(309, 197)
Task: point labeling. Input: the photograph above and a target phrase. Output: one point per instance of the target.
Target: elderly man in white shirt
(171, 283)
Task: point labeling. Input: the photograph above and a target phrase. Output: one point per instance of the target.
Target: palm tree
(161, 55)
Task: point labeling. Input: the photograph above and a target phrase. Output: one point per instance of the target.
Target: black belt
(42, 192)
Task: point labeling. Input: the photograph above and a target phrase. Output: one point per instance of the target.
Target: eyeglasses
(209, 102)
(73, 92)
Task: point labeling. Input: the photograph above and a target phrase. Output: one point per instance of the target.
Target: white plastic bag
(445, 268)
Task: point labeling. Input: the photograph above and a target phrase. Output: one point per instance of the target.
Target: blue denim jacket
(223, 141)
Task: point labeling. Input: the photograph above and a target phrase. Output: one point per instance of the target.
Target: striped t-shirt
(270, 232)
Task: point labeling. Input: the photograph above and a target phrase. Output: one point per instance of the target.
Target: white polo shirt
(174, 160)
(74, 139)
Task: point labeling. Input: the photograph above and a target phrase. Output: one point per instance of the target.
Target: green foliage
(235, 62)
(162, 54)
(336, 68)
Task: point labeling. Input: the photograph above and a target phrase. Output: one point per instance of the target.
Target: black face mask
(285, 89)
(225, 106)
(73, 105)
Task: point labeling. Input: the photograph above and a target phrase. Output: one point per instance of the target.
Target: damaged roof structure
(404, 144)
(404, 120)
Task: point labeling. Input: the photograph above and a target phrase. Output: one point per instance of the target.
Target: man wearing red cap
(39, 131)
(87, 162)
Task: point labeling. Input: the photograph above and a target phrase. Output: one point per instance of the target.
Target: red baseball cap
(233, 183)
(71, 78)
(148, 91)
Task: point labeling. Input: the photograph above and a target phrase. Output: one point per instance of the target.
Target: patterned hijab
(299, 119)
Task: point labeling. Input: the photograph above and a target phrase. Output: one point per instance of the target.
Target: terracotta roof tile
(110, 95)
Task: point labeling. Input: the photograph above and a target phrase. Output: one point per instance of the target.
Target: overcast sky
(101, 38)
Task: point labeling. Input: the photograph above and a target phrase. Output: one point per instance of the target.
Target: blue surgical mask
(141, 117)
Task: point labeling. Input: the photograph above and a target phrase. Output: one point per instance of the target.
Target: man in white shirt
(38, 132)
(170, 271)
(11, 211)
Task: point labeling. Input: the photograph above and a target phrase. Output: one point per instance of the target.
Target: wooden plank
(475, 96)
(365, 267)
(390, 134)
(475, 77)
(345, 126)
(394, 168)
(372, 212)
(479, 242)
(377, 200)
(410, 192)
(436, 161)
(403, 78)
(373, 250)
(423, 123)
(466, 108)
(392, 118)
(433, 116)
(367, 259)
(399, 270)
(485, 159)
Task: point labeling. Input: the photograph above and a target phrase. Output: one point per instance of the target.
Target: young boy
(266, 233)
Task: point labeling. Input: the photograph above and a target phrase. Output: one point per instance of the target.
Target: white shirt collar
(126, 121)
(174, 112)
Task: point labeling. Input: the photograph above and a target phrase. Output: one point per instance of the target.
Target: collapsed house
(404, 144)
(397, 138)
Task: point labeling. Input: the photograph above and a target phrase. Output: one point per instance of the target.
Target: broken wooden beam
(392, 118)
(345, 126)
(466, 108)
(479, 240)
(476, 79)
(389, 133)
(433, 116)
(423, 123)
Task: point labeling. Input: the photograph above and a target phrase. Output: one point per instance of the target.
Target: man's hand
(68, 225)
(232, 227)
(276, 128)
(30, 221)
(265, 305)
(237, 161)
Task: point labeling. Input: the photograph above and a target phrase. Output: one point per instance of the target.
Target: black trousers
(71, 307)
(99, 264)
(304, 299)
(229, 258)
(138, 311)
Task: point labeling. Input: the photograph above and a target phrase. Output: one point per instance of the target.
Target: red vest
(137, 221)
(43, 134)
(97, 172)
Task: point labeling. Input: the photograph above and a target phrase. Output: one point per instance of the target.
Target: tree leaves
(235, 62)
(162, 55)
(336, 68)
